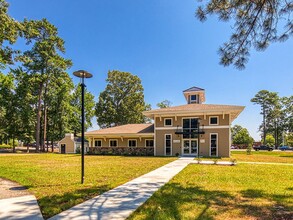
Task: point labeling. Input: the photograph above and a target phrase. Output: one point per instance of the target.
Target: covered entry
(190, 136)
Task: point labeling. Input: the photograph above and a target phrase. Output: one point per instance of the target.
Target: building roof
(196, 109)
(193, 89)
(136, 129)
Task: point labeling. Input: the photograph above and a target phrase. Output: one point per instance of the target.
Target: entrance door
(189, 147)
(63, 148)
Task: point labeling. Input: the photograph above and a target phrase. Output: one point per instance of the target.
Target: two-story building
(191, 129)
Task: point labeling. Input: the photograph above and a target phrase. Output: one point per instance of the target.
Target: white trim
(170, 144)
(149, 140)
(216, 126)
(213, 117)
(168, 128)
(132, 140)
(217, 144)
(113, 140)
(168, 119)
(97, 140)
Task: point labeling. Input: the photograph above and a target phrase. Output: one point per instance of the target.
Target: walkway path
(17, 203)
(120, 202)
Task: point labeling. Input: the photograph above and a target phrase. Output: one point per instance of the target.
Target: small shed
(71, 145)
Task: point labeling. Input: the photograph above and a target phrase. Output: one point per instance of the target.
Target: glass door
(190, 147)
(186, 148)
(193, 147)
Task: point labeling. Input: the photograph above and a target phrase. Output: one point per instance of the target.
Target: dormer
(194, 95)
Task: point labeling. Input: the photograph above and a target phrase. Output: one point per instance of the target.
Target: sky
(162, 43)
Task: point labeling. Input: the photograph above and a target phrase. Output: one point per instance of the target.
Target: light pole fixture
(198, 137)
(82, 74)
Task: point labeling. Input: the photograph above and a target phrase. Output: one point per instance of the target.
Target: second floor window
(168, 122)
(213, 120)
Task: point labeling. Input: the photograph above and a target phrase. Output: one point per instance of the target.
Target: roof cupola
(194, 95)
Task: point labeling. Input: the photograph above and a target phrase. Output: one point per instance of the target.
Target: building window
(214, 120)
(168, 144)
(214, 145)
(168, 121)
(131, 143)
(113, 143)
(193, 99)
(149, 143)
(98, 143)
(190, 128)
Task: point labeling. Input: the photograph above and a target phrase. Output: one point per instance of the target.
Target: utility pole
(264, 122)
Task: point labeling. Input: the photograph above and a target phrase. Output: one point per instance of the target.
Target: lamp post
(82, 74)
(198, 138)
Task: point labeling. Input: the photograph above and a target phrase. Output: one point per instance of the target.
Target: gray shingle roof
(193, 89)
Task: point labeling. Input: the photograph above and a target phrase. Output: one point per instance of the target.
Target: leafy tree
(270, 140)
(234, 130)
(164, 104)
(10, 29)
(43, 60)
(287, 113)
(122, 102)
(257, 24)
(289, 139)
(75, 112)
(243, 137)
(270, 108)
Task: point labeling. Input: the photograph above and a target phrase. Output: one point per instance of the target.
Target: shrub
(5, 146)
(248, 150)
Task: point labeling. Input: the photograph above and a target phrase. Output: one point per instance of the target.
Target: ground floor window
(214, 145)
(98, 143)
(131, 143)
(149, 143)
(113, 143)
(168, 144)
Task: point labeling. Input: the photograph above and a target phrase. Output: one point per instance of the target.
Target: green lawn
(55, 179)
(259, 156)
(264, 156)
(211, 192)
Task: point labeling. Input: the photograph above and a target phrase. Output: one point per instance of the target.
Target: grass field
(264, 156)
(55, 179)
(244, 191)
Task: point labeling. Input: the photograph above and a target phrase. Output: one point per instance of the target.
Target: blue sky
(166, 46)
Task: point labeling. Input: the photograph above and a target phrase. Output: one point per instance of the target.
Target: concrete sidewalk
(16, 202)
(23, 207)
(120, 202)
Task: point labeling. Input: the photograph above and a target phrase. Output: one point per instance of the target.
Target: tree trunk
(39, 114)
(45, 126)
(13, 144)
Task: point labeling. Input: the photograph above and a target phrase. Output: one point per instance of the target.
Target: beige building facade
(188, 130)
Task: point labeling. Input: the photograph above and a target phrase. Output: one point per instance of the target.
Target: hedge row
(125, 151)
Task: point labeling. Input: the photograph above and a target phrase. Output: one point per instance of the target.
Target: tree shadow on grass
(176, 202)
(52, 205)
(287, 156)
